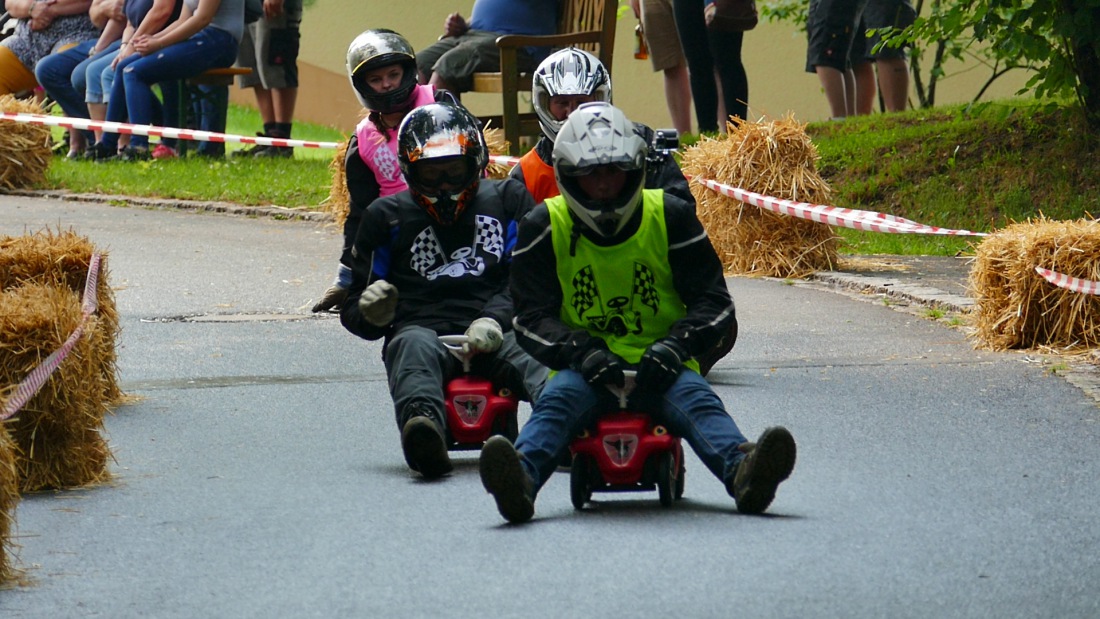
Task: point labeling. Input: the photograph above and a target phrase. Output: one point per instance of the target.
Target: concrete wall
(774, 56)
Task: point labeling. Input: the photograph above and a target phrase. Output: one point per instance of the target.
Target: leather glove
(332, 299)
(600, 366)
(661, 363)
(484, 335)
(378, 303)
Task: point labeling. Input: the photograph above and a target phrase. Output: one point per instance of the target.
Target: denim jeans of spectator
(209, 48)
(689, 409)
(55, 72)
(88, 75)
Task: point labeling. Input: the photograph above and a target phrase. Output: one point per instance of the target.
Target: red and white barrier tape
(848, 218)
(39, 375)
(1085, 286)
(153, 130)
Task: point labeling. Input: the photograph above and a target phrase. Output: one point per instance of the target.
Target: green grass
(303, 181)
(949, 167)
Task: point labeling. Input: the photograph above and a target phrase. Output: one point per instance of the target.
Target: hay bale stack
(774, 158)
(62, 259)
(1015, 306)
(494, 139)
(57, 432)
(25, 149)
(339, 200)
(9, 499)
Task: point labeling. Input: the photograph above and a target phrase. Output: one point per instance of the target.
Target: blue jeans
(88, 75)
(689, 409)
(209, 48)
(55, 74)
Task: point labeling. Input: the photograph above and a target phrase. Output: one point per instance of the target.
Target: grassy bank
(943, 167)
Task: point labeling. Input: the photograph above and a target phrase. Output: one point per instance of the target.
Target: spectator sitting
(56, 71)
(205, 36)
(41, 29)
(467, 47)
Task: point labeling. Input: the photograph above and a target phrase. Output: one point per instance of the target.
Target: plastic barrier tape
(1062, 280)
(39, 375)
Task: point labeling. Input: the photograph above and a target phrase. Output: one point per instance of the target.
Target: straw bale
(774, 158)
(25, 149)
(1015, 307)
(57, 430)
(62, 259)
(494, 139)
(339, 200)
(9, 499)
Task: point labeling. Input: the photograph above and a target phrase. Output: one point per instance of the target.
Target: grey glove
(332, 299)
(378, 303)
(484, 335)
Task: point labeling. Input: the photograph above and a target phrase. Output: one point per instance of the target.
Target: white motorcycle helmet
(567, 72)
(598, 134)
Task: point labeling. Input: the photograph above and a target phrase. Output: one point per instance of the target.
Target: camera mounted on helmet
(378, 49)
(442, 154)
(567, 73)
(599, 163)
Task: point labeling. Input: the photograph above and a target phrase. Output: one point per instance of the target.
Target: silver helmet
(567, 72)
(599, 134)
(379, 48)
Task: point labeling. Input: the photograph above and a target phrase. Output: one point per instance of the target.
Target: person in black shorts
(836, 31)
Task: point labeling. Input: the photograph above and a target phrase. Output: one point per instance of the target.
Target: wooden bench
(191, 94)
(586, 24)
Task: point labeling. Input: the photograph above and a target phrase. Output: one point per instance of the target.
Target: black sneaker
(100, 152)
(504, 478)
(769, 461)
(133, 154)
(425, 448)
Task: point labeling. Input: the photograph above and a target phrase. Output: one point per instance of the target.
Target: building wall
(774, 56)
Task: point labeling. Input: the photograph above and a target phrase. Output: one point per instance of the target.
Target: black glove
(600, 366)
(661, 364)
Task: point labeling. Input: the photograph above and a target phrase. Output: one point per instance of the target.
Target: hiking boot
(254, 150)
(286, 152)
(504, 478)
(769, 461)
(425, 448)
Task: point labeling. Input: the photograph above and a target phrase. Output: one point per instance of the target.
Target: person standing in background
(841, 57)
(270, 48)
(890, 65)
(719, 83)
(667, 56)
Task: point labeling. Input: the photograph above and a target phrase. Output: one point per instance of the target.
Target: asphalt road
(259, 474)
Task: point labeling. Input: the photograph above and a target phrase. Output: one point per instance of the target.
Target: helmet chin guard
(599, 134)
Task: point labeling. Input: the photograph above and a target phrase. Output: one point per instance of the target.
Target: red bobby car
(476, 409)
(626, 452)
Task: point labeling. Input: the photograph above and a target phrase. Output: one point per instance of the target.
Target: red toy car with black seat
(626, 452)
(476, 408)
